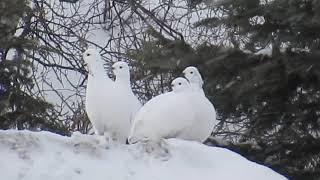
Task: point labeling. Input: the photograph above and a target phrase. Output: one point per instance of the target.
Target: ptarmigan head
(193, 75)
(91, 58)
(121, 70)
(91, 55)
(179, 84)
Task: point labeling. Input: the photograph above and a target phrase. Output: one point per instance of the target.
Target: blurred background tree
(19, 108)
(276, 96)
(263, 78)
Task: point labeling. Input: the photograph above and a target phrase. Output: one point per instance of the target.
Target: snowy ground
(26, 155)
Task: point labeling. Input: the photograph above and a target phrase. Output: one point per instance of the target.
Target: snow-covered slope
(26, 155)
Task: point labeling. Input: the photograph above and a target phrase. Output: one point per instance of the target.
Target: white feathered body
(130, 103)
(205, 119)
(104, 108)
(165, 116)
(205, 112)
(187, 115)
(109, 105)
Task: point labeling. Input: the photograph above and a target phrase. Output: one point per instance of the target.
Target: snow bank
(26, 155)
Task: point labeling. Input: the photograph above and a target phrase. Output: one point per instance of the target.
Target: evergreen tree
(18, 107)
(271, 102)
(279, 96)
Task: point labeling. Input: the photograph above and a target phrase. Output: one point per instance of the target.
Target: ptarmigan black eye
(191, 72)
(120, 67)
(179, 83)
(88, 54)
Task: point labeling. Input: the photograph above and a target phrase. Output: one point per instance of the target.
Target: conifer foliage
(268, 104)
(19, 108)
(276, 98)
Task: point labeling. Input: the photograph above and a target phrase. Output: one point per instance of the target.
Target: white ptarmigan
(185, 113)
(105, 104)
(165, 116)
(122, 84)
(205, 111)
